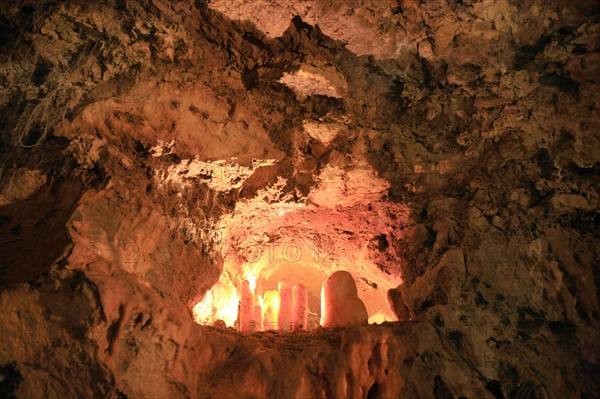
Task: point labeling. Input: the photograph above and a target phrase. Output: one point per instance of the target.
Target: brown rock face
(156, 154)
(398, 305)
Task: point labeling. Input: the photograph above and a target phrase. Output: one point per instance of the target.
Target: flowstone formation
(159, 157)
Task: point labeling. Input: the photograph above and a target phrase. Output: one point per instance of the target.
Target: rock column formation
(284, 316)
(246, 314)
(340, 304)
(300, 308)
(257, 319)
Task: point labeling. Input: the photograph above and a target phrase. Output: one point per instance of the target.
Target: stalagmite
(284, 317)
(270, 310)
(340, 304)
(257, 319)
(300, 308)
(246, 306)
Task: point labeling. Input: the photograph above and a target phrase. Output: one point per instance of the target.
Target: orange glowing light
(220, 303)
(270, 309)
(252, 280)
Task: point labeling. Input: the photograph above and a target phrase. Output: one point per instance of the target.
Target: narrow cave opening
(265, 270)
(272, 239)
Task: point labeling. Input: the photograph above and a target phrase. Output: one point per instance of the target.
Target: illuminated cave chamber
(274, 249)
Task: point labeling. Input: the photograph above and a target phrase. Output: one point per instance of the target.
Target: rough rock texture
(450, 146)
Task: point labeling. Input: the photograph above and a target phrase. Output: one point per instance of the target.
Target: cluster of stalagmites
(285, 309)
(288, 310)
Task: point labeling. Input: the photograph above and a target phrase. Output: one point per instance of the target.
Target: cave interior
(299, 199)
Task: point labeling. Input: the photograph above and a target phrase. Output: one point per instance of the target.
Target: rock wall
(480, 117)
